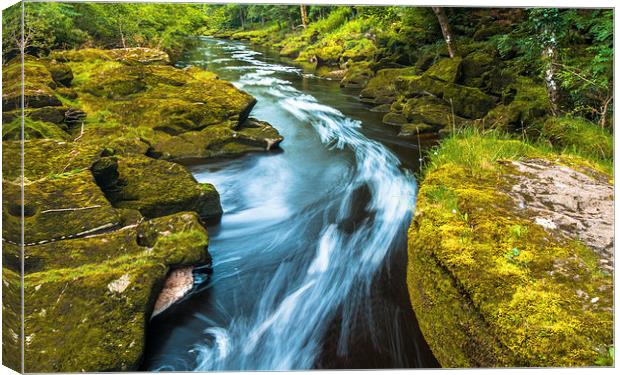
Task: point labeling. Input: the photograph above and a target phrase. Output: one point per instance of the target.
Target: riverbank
(108, 211)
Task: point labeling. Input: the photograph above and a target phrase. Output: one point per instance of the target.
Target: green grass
(479, 150)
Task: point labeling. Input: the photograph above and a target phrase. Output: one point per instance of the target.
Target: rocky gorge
(108, 212)
(437, 205)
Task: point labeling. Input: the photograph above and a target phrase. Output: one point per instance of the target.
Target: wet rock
(530, 105)
(157, 188)
(103, 289)
(394, 118)
(218, 141)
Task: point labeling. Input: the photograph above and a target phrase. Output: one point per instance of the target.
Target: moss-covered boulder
(158, 188)
(474, 66)
(529, 107)
(357, 75)
(498, 281)
(447, 70)
(89, 299)
(32, 129)
(38, 85)
(61, 74)
(382, 87)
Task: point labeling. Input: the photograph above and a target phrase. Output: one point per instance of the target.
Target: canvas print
(226, 187)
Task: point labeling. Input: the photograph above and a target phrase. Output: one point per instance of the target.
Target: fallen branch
(70, 209)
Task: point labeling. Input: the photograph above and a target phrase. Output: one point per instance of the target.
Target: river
(308, 262)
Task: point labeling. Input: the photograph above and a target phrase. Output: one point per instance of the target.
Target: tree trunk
(304, 16)
(241, 18)
(445, 29)
(550, 56)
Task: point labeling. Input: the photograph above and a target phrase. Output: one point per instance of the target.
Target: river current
(308, 267)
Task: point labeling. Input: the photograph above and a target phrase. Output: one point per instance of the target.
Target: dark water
(309, 259)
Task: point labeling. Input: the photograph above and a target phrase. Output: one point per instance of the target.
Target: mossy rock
(61, 74)
(130, 56)
(394, 118)
(474, 66)
(11, 313)
(492, 288)
(382, 87)
(447, 70)
(357, 76)
(219, 141)
(528, 108)
(579, 136)
(100, 291)
(37, 84)
(158, 188)
(57, 206)
(428, 110)
(469, 102)
(417, 130)
(32, 129)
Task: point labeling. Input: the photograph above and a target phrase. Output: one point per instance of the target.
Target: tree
(445, 29)
(304, 15)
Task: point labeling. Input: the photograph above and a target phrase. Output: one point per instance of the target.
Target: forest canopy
(574, 45)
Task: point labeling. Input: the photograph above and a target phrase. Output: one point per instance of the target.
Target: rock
(474, 65)
(38, 85)
(218, 142)
(55, 115)
(484, 277)
(178, 284)
(468, 102)
(424, 62)
(103, 289)
(157, 188)
(382, 108)
(394, 118)
(357, 76)
(447, 70)
(529, 106)
(61, 74)
(12, 131)
(58, 206)
(381, 88)
(415, 130)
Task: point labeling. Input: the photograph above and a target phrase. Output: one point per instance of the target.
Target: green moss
(32, 129)
(490, 287)
(528, 109)
(38, 85)
(578, 136)
(382, 88)
(447, 70)
(158, 188)
(99, 292)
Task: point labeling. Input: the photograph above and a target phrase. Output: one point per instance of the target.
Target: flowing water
(309, 259)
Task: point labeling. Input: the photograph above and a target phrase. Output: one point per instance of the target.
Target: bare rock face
(568, 202)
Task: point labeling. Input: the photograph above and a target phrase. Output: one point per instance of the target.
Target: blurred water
(304, 235)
